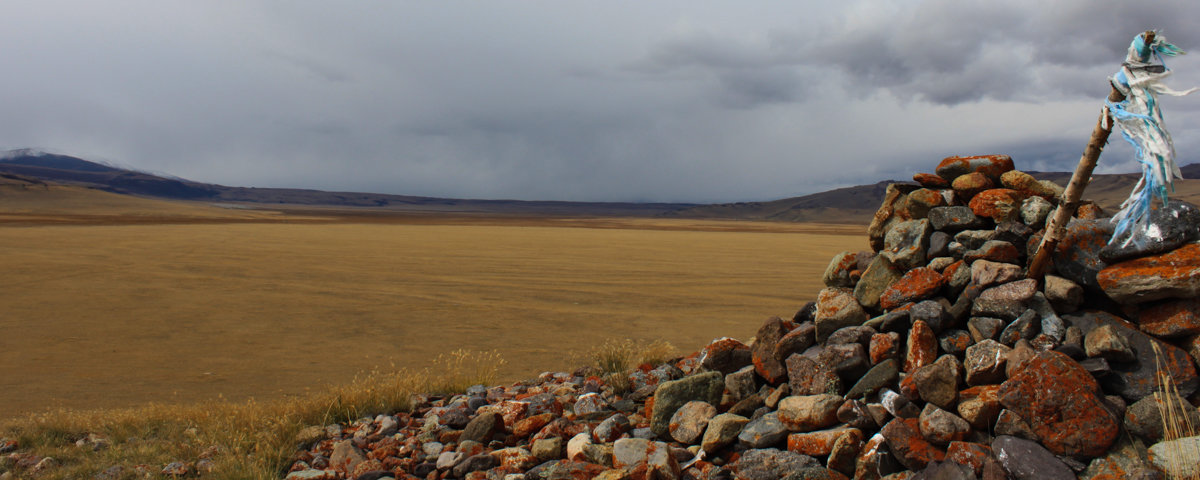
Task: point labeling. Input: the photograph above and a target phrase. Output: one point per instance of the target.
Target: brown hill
(75, 171)
(857, 204)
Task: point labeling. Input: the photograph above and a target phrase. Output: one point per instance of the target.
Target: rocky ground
(930, 357)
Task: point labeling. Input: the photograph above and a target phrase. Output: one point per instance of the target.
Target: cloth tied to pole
(1139, 117)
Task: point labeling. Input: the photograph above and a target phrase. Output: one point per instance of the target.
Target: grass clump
(617, 356)
(230, 440)
(1177, 423)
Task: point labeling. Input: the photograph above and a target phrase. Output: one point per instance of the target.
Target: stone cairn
(929, 357)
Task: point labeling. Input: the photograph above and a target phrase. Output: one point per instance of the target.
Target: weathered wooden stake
(1079, 180)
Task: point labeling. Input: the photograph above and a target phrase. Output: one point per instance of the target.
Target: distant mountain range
(844, 205)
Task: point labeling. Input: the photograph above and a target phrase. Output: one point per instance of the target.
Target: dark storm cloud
(673, 101)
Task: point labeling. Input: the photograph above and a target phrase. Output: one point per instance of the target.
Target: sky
(672, 100)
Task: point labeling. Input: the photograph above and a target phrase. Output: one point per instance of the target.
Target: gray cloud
(674, 101)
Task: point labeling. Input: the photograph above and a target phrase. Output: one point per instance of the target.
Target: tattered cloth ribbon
(1140, 119)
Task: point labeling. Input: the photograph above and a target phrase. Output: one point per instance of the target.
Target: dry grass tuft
(250, 440)
(1176, 423)
(617, 356)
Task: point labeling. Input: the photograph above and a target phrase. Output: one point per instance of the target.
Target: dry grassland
(102, 316)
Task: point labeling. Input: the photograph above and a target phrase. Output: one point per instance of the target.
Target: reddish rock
(528, 426)
(1175, 274)
(884, 346)
(950, 270)
(937, 383)
(973, 455)
(922, 200)
(991, 165)
(871, 457)
(763, 352)
(917, 284)
(999, 204)
(726, 355)
(1171, 319)
(838, 273)
(995, 251)
(1088, 210)
(796, 341)
(1025, 183)
(922, 347)
(845, 451)
(836, 308)
(969, 185)
(941, 427)
(1062, 404)
(816, 444)
(894, 197)
(929, 180)
(806, 377)
(805, 413)
(903, 436)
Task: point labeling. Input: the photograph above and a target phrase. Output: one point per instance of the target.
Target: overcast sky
(687, 100)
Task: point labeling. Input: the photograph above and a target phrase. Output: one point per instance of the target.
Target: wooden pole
(1079, 180)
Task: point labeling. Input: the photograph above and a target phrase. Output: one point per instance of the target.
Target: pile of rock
(929, 357)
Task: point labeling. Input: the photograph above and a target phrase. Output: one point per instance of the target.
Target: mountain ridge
(853, 204)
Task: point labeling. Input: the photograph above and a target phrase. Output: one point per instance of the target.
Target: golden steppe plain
(125, 304)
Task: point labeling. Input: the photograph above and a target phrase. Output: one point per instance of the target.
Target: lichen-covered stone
(916, 284)
(906, 243)
(930, 180)
(772, 330)
(722, 431)
(903, 436)
(968, 185)
(1175, 274)
(1135, 380)
(816, 443)
(986, 273)
(705, 387)
(999, 204)
(879, 275)
(1034, 211)
(836, 308)
(985, 362)
(1065, 295)
(980, 406)
(837, 274)
(1171, 318)
(937, 383)
(1105, 342)
(995, 251)
(1007, 301)
(922, 347)
(805, 413)
(1063, 405)
(920, 201)
(726, 355)
(763, 432)
(690, 420)
(884, 217)
(991, 165)
(1025, 183)
(954, 218)
(1077, 257)
(940, 427)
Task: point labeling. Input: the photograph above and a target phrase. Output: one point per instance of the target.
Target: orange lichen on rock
(1172, 274)
(916, 284)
